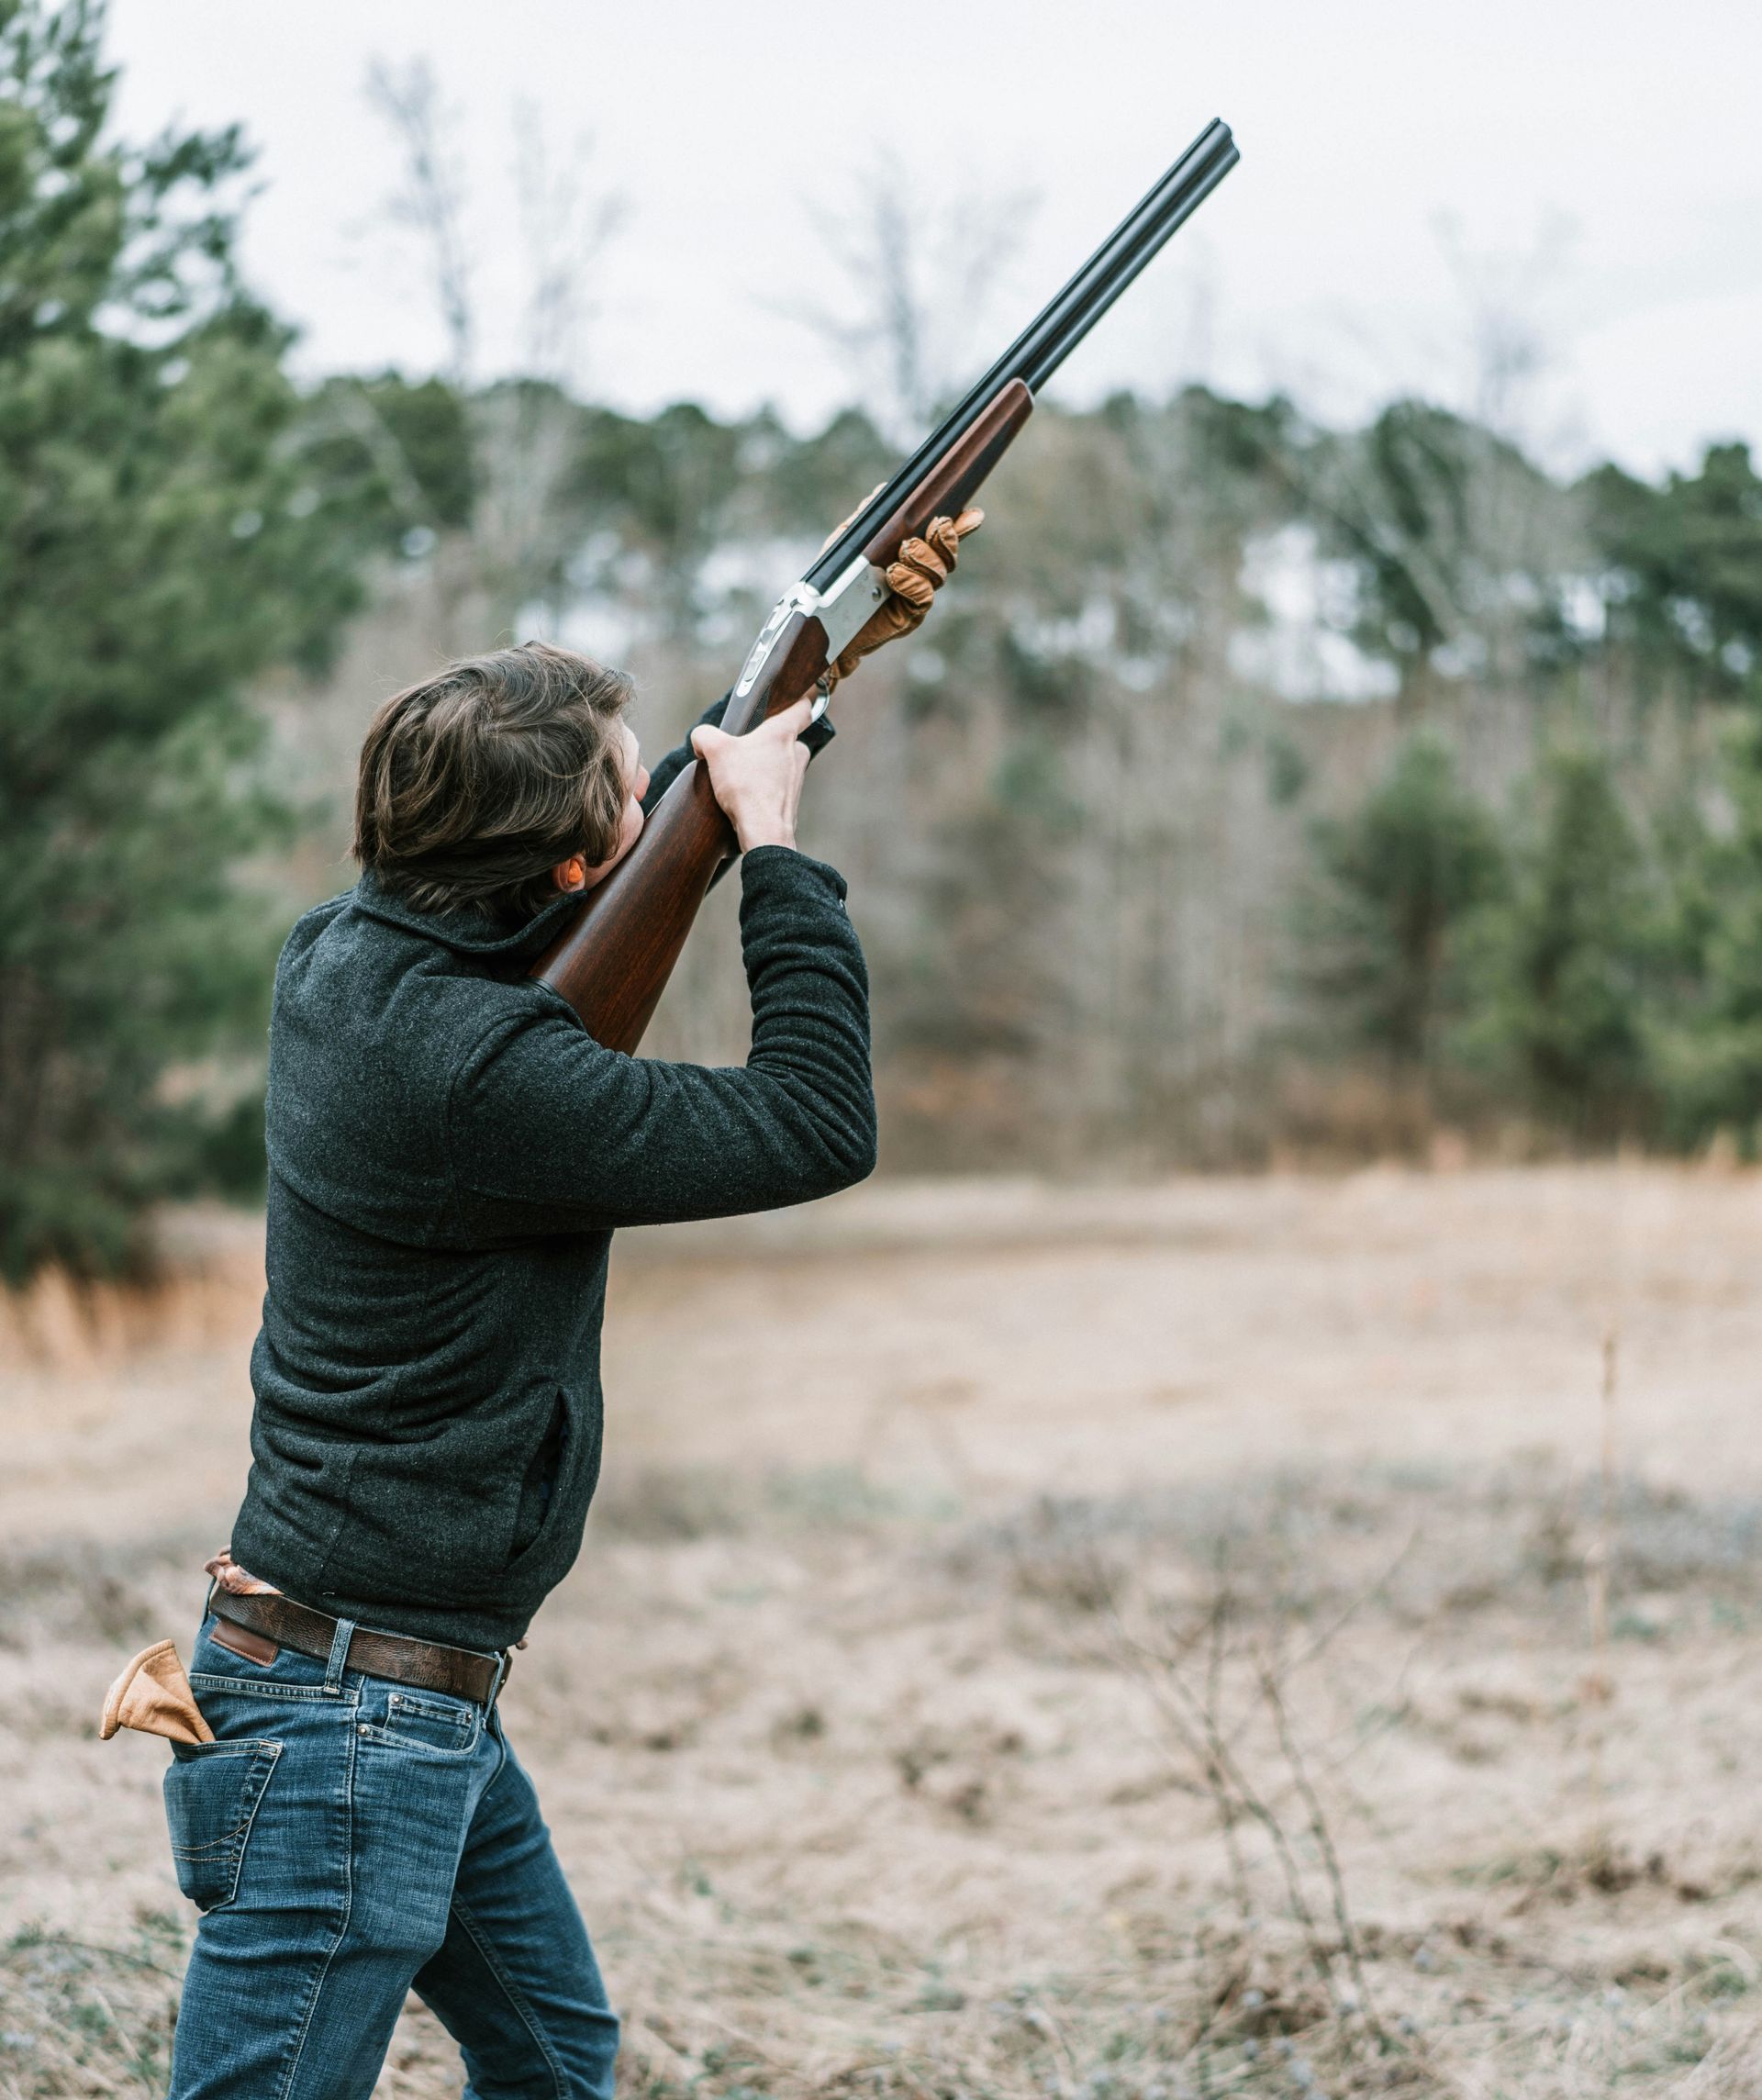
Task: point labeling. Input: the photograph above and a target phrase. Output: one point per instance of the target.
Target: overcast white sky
(1628, 127)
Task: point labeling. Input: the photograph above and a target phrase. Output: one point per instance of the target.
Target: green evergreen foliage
(1399, 881)
(1561, 965)
(1417, 478)
(397, 456)
(1611, 983)
(162, 540)
(1687, 564)
(1706, 1033)
(813, 481)
(665, 483)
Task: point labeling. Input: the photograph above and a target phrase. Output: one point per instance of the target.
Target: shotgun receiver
(614, 961)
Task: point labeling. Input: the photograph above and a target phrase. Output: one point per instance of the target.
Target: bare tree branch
(917, 273)
(566, 225)
(1502, 291)
(431, 198)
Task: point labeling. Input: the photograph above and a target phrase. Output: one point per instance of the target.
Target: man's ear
(570, 873)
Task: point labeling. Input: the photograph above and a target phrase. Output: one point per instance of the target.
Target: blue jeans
(349, 1840)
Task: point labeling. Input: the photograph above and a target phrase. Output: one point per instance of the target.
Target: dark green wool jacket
(449, 1153)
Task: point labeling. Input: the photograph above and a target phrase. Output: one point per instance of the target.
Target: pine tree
(161, 541)
(1706, 1037)
(1399, 880)
(1686, 561)
(1560, 968)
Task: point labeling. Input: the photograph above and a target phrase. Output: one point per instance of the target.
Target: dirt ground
(1286, 1636)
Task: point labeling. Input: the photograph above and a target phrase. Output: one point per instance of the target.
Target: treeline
(1541, 919)
(1260, 790)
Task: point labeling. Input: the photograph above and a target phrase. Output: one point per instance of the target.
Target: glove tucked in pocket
(152, 1693)
(212, 1793)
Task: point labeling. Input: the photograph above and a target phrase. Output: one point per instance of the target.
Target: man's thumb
(706, 738)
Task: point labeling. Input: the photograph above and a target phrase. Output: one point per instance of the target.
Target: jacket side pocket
(212, 1793)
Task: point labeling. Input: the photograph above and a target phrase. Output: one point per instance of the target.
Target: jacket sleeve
(551, 1132)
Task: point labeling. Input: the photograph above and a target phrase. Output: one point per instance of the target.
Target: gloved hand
(914, 576)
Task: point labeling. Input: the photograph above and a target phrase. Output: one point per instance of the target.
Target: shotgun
(613, 961)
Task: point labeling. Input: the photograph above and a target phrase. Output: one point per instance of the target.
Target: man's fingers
(756, 778)
(935, 554)
(909, 581)
(920, 555)
(917, 572)
(945, 534)
(790, 720)
(709, 741)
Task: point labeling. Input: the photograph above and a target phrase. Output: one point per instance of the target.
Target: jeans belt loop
(339, 1661)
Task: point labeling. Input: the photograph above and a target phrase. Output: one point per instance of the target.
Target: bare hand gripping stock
(614, 962)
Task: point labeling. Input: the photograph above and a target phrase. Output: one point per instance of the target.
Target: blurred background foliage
(1261, 792)
(160, 543)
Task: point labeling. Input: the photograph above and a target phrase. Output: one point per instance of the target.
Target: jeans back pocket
(212, 1793)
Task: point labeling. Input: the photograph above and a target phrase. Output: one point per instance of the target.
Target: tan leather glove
(153, 1694)
(914, 576)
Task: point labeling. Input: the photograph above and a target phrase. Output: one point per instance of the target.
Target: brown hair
(475, 783)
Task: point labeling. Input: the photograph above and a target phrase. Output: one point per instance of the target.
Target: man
(449, 1155)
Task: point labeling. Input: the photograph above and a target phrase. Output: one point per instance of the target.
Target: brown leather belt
(427, 1665)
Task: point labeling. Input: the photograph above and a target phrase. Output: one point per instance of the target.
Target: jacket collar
(470, 930)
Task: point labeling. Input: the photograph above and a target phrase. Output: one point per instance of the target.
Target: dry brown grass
(1090, 1646)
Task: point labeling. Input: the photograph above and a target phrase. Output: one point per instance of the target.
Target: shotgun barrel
(613, 961)
(1050, 337)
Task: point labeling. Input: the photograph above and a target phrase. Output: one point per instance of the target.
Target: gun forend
(778, 672)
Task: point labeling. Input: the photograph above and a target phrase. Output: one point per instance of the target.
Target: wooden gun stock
(614, 962)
